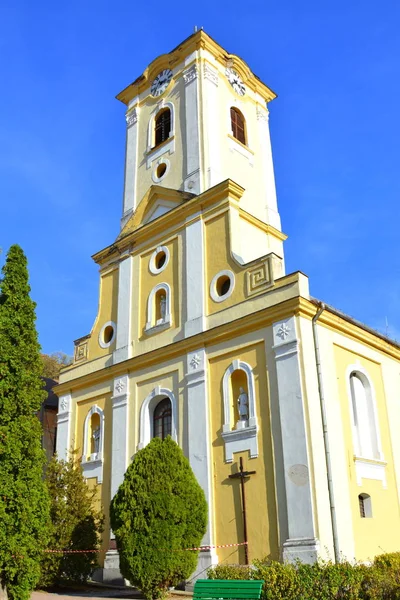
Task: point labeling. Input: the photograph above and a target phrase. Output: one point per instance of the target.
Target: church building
(201, 334)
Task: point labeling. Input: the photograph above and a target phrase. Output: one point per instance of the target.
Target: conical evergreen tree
(158, 512)
(24, 502)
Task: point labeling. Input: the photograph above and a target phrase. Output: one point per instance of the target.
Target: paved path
(96, 594)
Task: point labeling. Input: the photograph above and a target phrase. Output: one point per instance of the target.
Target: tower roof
(198, 40)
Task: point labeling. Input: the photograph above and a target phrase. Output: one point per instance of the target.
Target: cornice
(223, 192)
(197, 41)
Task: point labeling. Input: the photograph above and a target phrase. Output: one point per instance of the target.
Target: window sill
(154, 153)
(239, 440)
(236, 146)
(367, 468)
(161, 325)
(93, 468)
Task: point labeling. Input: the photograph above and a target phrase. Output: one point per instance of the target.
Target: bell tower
(196, 117)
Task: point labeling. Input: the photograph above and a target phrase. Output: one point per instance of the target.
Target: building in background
(201, 334)
(48, 418)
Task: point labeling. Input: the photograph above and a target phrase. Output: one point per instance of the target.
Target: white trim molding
(213, 286)
(92, 463)
(152, 262)
(102, 343)
(244, 436)
(376, 442)
(153, 324)
(370, 469)
(146, 415)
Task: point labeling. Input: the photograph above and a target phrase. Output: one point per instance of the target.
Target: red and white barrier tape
(163, 550)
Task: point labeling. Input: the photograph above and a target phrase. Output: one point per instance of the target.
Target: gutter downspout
(325, 433)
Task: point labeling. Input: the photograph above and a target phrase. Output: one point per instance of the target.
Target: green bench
(209, 589)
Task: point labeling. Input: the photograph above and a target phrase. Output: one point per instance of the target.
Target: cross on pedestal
(243, 475)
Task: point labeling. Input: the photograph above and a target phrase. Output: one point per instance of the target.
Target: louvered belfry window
(163, 126)
(162, 419)
(238, 125)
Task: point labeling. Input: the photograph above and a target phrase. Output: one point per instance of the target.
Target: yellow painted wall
(171, 275)
(218, 258)
(82, 408)
(107, 311)
(260, 489)
(384, 526)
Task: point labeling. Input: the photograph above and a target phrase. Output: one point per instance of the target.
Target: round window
(161, 170)
(222, 286)
(108, 334)
(159, 260)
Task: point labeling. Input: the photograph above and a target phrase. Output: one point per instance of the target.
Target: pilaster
(131, 164)
(192, 180)
(199, 443)
(120, 424)
(271, 206)
(123, 349)
(64, 426)
(212, 137)
(194, 278)
(302, 543)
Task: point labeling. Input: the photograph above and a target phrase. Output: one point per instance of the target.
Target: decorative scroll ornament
(210, 74)
(190, 74)
(131, 118)
(262, 115)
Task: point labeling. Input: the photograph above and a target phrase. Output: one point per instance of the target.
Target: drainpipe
(325, 433)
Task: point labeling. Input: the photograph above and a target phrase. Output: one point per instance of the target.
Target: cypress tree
(158, 512)
(24, 502)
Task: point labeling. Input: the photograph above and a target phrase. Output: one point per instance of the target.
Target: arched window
(238, 125)
(154, 416)
(364, 422)
(365, 506)
(93, 444)
(162, 126)
(162, 419)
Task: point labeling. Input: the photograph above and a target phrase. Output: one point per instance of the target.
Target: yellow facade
(195, 308)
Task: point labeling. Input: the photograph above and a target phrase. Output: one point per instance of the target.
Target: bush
(75, 525)
(158, 511)
(321, 580)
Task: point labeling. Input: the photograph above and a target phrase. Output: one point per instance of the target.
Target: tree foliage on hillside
(76, 524)
(158, 511)
(24, 501)
(53, 363)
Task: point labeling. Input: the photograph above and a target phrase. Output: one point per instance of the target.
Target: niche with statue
(239, 429)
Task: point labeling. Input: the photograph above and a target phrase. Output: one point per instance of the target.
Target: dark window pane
(162, 419)
(162, 126)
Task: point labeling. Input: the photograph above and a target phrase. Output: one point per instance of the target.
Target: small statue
(243, 405)
(96, 440)
(163, 307)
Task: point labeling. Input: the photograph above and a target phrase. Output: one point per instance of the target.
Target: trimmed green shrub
(321, 580)
(158, 511)
(24, 501)
(75, 525)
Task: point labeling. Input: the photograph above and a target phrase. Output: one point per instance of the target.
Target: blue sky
(335, 130)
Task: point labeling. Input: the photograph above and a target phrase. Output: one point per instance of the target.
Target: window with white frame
(158, 416)
(365, 427)
(159, 307)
